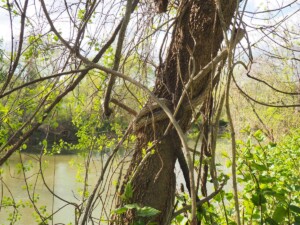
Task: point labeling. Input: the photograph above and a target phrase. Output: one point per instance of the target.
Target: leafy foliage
(270, 179)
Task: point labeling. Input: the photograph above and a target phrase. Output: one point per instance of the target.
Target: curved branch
(270, 86)
(256, 101)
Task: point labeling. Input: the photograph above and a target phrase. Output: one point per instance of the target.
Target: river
(63, 176)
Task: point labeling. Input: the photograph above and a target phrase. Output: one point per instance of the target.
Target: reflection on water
(62, 176)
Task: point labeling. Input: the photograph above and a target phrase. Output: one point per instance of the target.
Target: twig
(201, 202)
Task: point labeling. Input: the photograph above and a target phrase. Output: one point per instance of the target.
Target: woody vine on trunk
(183, 82)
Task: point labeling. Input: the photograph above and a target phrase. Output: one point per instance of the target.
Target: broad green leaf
(147, 212)
(279, 214)
(270, 221)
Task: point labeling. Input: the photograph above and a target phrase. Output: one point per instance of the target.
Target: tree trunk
(197, 31)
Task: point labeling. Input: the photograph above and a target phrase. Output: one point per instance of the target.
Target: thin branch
(169, 114)
(272, 10)
(18, 54)
(106, 110)
(233, 150)
(270, 86)
(256, 101)
(123, 106)
(42, 79)
(87, 209)
(201, 202)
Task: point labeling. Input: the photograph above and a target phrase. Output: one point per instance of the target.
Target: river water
(62, 175)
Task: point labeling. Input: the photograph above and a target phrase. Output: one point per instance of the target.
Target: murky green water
(63, 176)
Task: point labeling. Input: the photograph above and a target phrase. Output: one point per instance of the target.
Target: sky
(252, 5)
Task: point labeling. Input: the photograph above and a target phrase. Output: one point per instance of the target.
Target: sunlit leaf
(279, 214)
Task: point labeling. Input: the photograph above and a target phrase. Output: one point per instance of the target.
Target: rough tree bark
(198, 31)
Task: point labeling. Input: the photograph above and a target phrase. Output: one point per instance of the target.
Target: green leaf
(232, 223)
(270, 221)
(259, 167)
(132, 206)
(120, 210)
(81, 13)
(147, 212)
(228, 163)
(218, 197)
(229, 196)
(295, 209)
(125, 208)
(269, 191)
(128, 192)
(24, 146)
(258, 199)
(279, 214)
(266, 179)
(272, 145)
(259, 136)
(139, 222)
(55, 38)
(225, 154)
